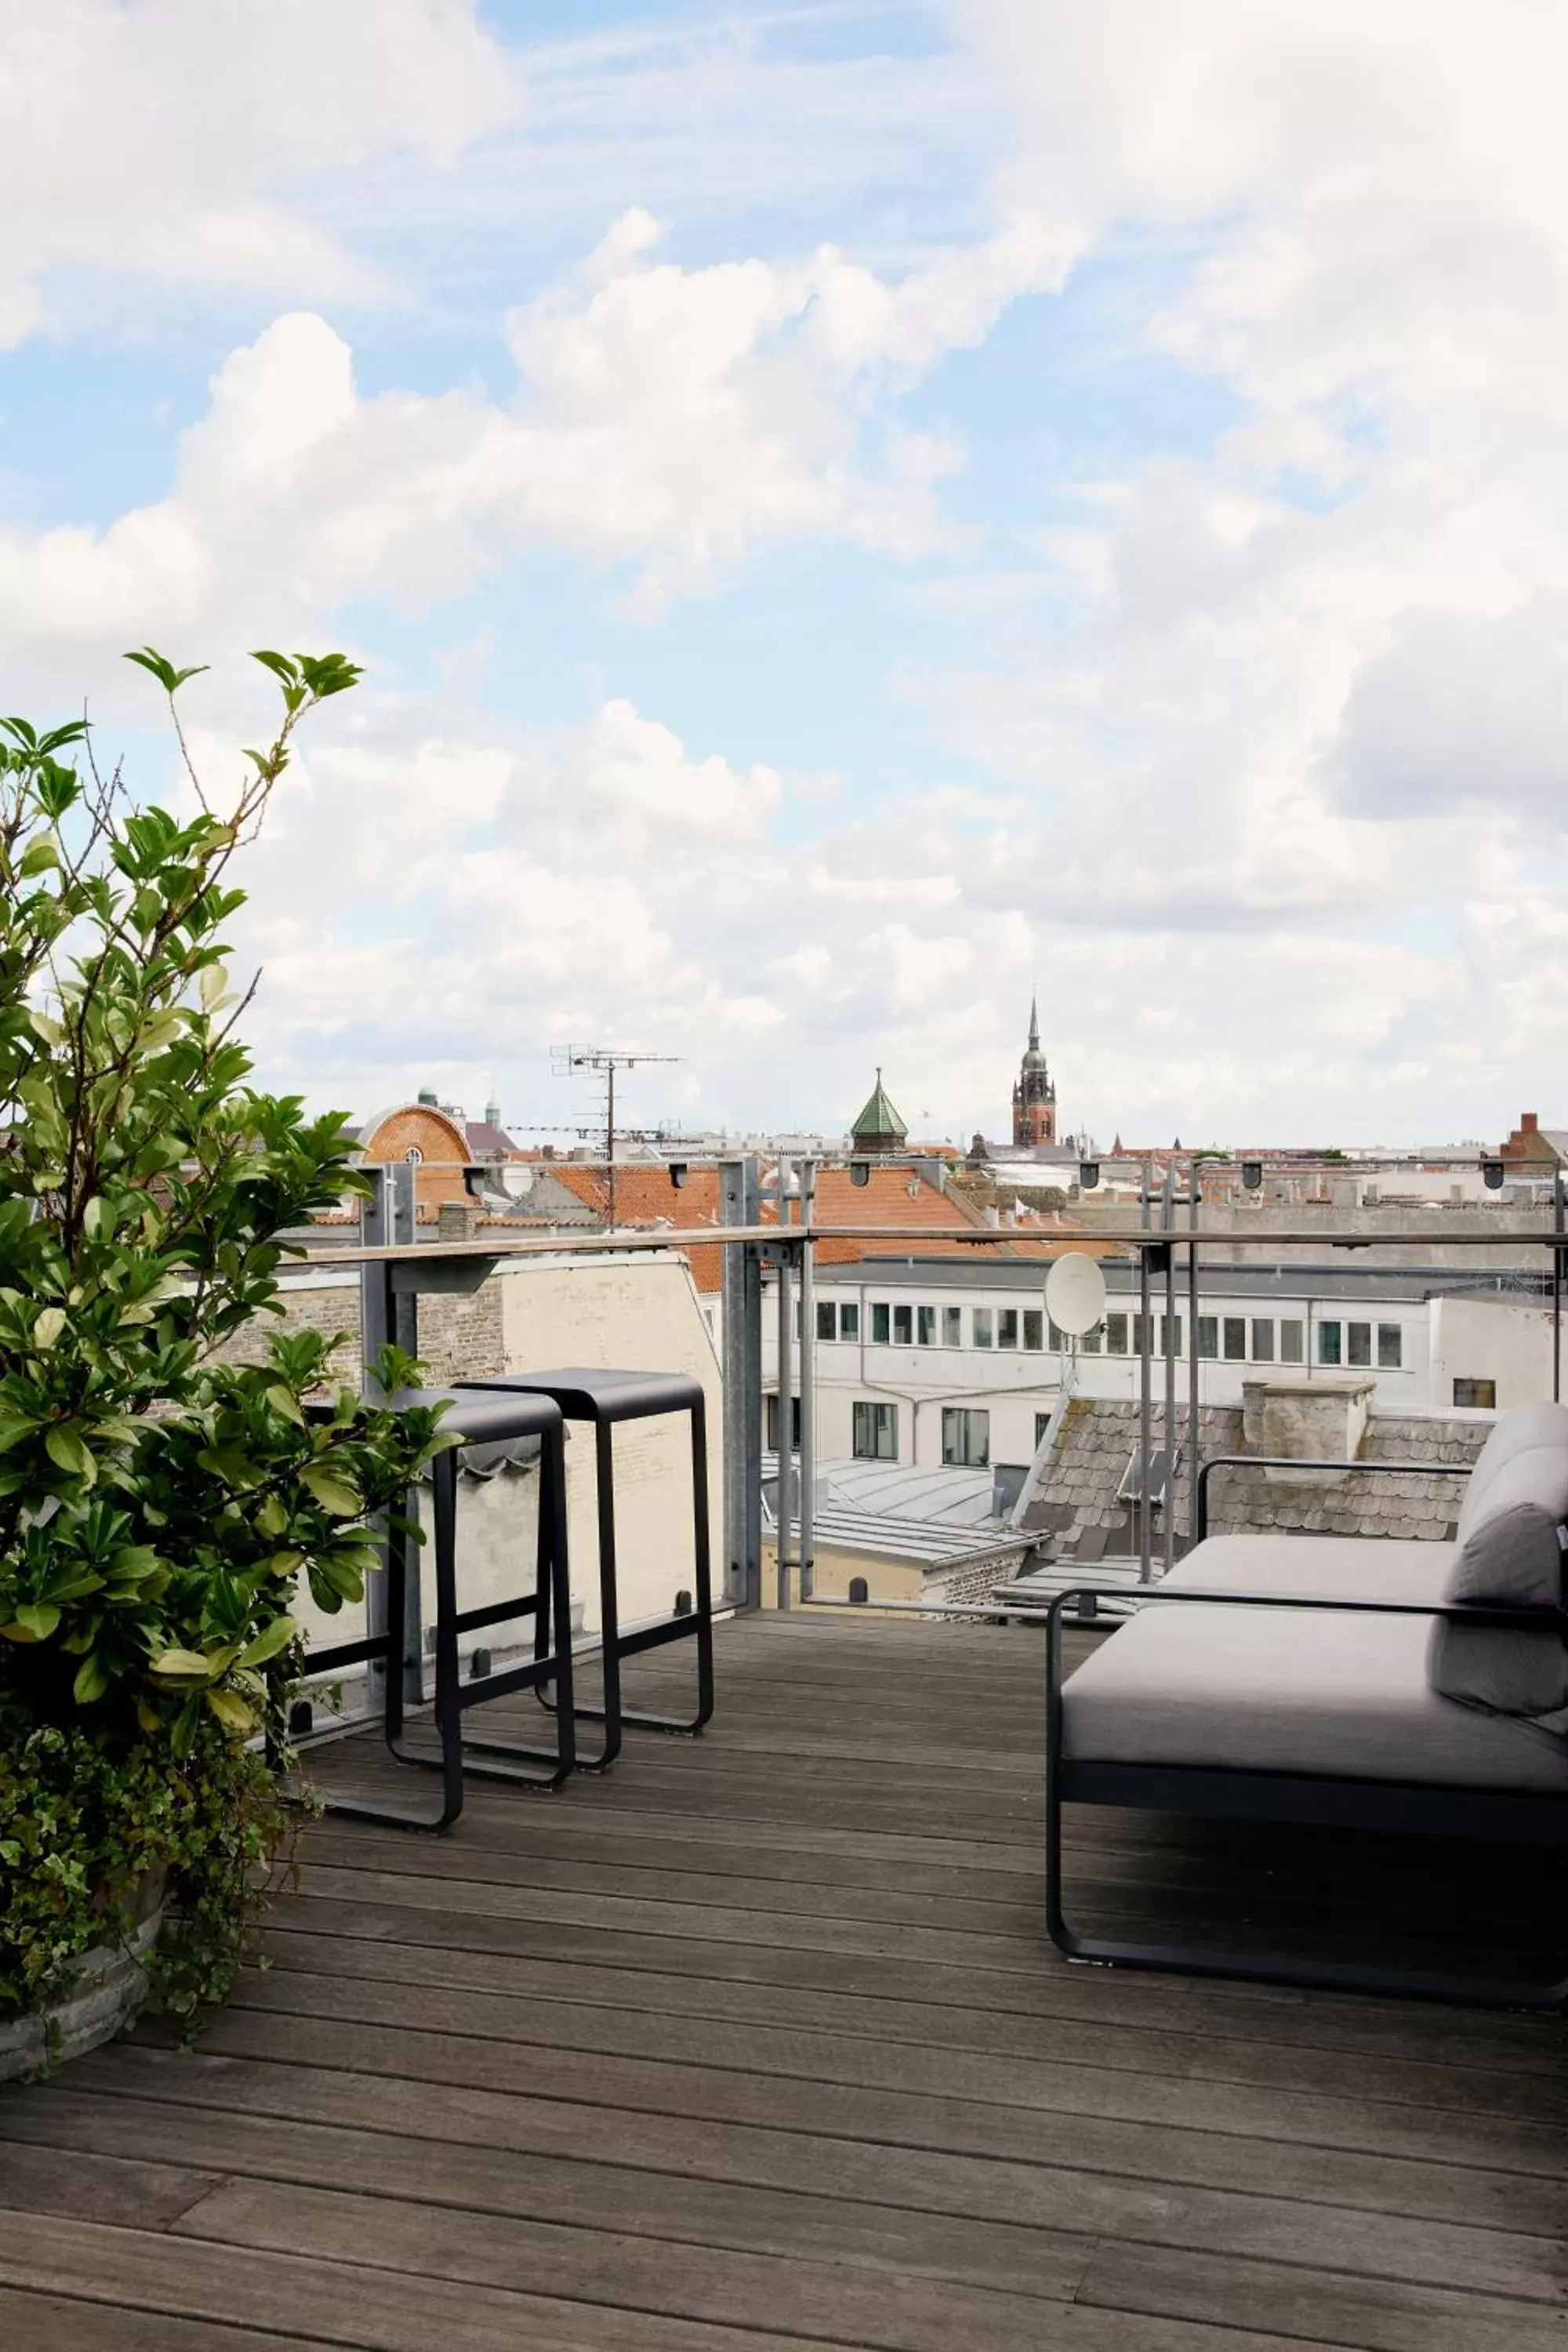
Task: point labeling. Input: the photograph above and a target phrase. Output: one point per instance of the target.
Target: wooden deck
(758, 2045)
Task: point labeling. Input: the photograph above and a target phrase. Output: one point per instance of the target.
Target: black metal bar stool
(602, 1399)
(479, 1421)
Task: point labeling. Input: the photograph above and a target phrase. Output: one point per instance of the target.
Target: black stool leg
(609, 1714)
(553, 1621)
(443, 1476)
(700, 1626)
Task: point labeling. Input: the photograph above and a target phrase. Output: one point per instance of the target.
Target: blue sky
(847, 511)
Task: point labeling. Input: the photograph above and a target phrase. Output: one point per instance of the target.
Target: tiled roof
(892, 1196)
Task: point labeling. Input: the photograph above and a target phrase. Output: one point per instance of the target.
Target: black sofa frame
(1310, 1799)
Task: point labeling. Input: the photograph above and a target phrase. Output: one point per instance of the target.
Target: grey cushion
(1302, 1691)
(1322, 1568)
(1529, 1427)
(1511, 1554)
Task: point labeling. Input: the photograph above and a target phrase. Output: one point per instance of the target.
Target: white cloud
(1294, 755)
(179, 140)
(667, 420)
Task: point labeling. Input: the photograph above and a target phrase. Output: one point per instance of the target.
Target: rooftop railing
(396, 1268)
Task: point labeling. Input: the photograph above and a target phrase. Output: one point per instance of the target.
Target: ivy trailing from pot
(159, 1504)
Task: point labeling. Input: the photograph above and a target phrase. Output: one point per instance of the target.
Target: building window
(1170, 1335)
(1263, 1338)
(1291, 1348)
(952, 1327)
(879, 1321)
(849, 1322)
(1008, 1326)
(1042, 1423)
(774, 1424)
(1478, 1395)
(1138, 1334)
(903, 1326)
(1329, 1343)
(925, 1326)
(1093, 1342)
(982, 1326)
(826, 1319)
(1116, 1335)
(1391, 1346)
(1208, 1339)
(874, 1432)
(1059, 1339)
(860, 1592)
(1035, 1331)
(1236, 1339)
(965, 1438)
(1359, 1336)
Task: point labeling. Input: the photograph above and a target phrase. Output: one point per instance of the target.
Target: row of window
(967, 1429)
(1221, 1339)
(929, 1327)
(1257, 1339)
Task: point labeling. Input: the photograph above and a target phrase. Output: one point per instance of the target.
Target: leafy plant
(158, 1504)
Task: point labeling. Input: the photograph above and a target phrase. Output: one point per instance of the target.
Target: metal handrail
(497, 1242)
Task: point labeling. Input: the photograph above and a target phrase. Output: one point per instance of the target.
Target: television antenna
(603, 1062)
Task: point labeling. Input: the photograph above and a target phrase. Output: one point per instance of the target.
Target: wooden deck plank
(1321, 2305)
(925, 2178)
(894, 2013)
(898, 2117)
(677, 2279)
(344, 2302)
(1041, 2250)
(65, 2323)
(757, 2043)
(955, 2067)
(439, 1940)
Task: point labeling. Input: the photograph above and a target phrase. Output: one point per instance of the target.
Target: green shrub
(158, 1506)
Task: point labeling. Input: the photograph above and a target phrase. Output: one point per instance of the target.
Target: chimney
(458, 1222)
(1529, 1122)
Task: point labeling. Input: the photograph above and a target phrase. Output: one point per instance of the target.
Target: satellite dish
(1075, 1294)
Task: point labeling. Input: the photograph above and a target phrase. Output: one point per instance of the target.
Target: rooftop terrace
(760, 2042)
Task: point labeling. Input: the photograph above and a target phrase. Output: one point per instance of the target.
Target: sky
(850, 510)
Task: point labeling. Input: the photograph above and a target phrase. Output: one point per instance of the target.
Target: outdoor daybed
(1366, 1683)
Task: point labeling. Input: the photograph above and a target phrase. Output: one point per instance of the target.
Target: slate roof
(487, 1142)
(1076, 1512)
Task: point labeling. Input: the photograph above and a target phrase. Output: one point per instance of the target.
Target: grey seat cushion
(1528, 1429)
(1511, 1554)
(1322, 1568)
(1297, 1690)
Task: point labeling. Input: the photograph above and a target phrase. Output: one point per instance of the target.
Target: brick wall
(460, 1338)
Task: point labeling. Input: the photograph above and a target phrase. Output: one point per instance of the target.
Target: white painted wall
(1473, 1340)
(628, 1314)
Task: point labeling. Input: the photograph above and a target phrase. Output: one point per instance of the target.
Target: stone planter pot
(110, 1989)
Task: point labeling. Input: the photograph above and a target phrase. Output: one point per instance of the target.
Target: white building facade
(929, 1362)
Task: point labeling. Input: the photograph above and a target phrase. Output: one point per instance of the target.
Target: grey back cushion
(1523, 1431)
(1511, 1554)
